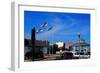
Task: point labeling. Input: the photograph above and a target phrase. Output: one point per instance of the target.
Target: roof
(69, 44)
(81, 44)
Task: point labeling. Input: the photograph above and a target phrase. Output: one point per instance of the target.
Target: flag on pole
(50, 28)
(40, 30)
(44, 24)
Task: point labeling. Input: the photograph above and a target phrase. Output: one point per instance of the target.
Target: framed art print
(49, 36)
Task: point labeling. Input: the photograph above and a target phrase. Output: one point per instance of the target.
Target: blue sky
(65, 26)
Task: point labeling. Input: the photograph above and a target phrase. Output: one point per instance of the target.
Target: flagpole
(79, 43)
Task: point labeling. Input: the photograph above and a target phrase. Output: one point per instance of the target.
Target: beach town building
(60, 44)
(81, 47)
(69, 46)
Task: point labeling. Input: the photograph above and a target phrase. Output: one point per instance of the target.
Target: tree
(26, 42)
(33, 43)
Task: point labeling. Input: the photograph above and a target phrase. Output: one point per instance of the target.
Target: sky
(65, 26)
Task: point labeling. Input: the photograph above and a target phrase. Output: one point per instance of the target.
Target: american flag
(50, 28)
(44, 24)
(42, 28)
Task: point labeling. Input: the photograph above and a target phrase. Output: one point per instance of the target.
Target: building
(61, 47)
(69, 46)
(60, 44)
(36, 48)
(42, 45)
(41, 48)
(53, 48)
(81, 47)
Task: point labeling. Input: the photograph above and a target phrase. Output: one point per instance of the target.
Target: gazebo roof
(81, 44)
